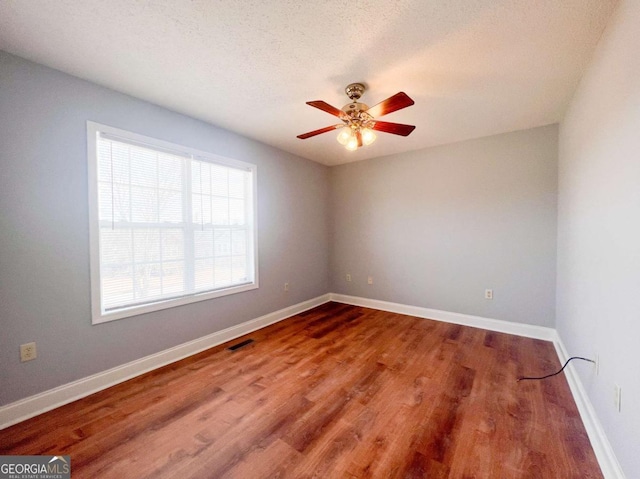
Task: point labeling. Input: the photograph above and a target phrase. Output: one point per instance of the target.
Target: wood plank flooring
(336, 392)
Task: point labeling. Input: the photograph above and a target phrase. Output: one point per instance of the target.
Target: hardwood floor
(336, 392)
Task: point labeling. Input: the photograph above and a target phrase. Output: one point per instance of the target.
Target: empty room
(378, 239)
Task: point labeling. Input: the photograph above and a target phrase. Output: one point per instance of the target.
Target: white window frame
(98, 313)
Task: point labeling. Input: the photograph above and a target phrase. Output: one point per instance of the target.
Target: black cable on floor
(524, 378)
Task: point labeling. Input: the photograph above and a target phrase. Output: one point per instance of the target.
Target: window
(169, 225)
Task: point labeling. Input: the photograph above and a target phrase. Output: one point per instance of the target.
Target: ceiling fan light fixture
(368, 136)
(344, 135)
(352, 143)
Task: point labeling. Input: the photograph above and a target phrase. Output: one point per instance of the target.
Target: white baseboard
(601, 447)
(23, 409)
(518, 329)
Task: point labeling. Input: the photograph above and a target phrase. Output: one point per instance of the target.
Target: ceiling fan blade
(304, 136)
(394, 128)
(393, 103)
(324, 106)
(359, 138)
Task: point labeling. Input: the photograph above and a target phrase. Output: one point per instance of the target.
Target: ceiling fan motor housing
(358, 116)
(354, 108)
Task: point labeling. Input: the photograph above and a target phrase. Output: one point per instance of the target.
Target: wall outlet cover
(28, 352)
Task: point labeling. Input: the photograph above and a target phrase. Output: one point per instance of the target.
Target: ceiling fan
(358, 120)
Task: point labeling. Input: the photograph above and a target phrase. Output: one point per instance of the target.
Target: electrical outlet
(617, 397)
(488, 294)
(370, 280)
(286, 286)
(28, 352)
(348, 277)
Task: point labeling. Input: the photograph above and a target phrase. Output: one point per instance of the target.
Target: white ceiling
(473, 67)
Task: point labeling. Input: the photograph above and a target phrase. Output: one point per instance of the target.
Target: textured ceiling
(473, 67)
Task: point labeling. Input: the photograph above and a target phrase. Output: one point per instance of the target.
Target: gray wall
(44, 239)
(437, 227)
(598, 308)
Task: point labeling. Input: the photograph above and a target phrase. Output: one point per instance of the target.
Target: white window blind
(173, 225)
